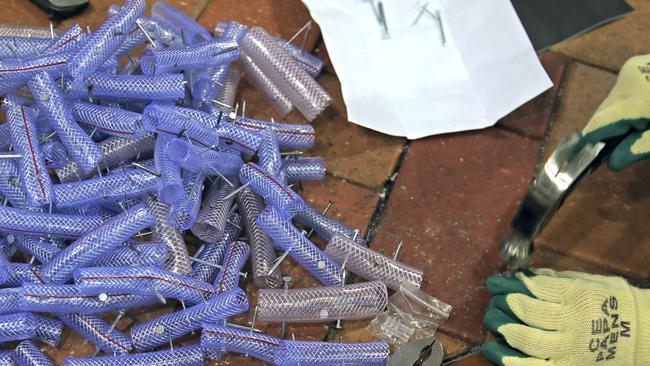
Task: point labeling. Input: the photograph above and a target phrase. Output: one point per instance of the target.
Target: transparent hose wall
(305, 168)
(21, 326)
(109, 120)
(213, 216)
(325, 226)
(200, 56)
(290, 136)
(179, 261)
(19, 221)
(54, 154)
(143, 254)
(170, 122)
(241, 139)
(130, 87)
(183, 215)
(180, 23)
(179, 356)
(298, 353)
(262, 252)
(198, 159)
(287, 238)
(226, 339)
(356, 301)
(372, 265)
(171, 184)
(284, 199)
(228, 91)
(310, 63)
(10, 300)
(278, 100)
(235, 258)
(301, 89)
(269, 154)
(213, 252)
(27, 354)
(94, 329)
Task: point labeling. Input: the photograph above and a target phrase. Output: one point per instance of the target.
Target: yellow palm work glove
(552, 318)
(626, 110)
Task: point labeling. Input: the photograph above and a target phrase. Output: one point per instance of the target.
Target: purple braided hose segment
(10, 184)
(179, 260)
(203, 55)
(241, 139)
(206, 85)
(226, 339)
(130, 87)
(372, 265)
(141, 280)
(23, 273)
(50, 102)
(27, 354)
(54, 154)
(356, 301)
(116, 150)
(71, 40)
(5, 137)
(213, 216)
(269, 154)
(290, 136)
(326, 227)
(21, 326)
(159, 331)
(179, 356)
(183, 215)
(179, 23)
(142, 254)
(228, 91)
(106, 40)
(170, 122)
(214, 252)
(109, 120)
(198, 159)
(34, 180)
(26, 31)
(95, 330)
(23, 69)
(122, 184)
(260, 80)
(19, 221)
(234, 260)
(305, 168)
(301, 89)
(5, 358)
(96, 244)
(171, 189)
(262, 251)
(276, 193)
(10, 299)
(310, 63)
(71, 299)
(287, 238)
(298, 353)
(36, 247)
(20, 47)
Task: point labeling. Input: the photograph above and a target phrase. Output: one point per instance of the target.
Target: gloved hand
(552, 318)
(626, 110)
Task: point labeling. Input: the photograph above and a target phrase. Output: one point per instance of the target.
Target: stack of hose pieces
(108, 160)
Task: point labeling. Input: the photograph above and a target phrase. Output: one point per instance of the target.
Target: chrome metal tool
(553, 183)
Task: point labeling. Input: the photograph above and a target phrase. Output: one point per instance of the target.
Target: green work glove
(626, 110)
(549, 318)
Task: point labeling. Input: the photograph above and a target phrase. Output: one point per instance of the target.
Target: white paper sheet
(411, 84)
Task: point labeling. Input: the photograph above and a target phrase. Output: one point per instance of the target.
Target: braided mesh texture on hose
(10, 183)
(213, 252)
(27, 354)
(5, 137)
(71, 40)
(26, 31)
(171, 122)
(122, 184)
(262, 252)
(36, 247)
(141, 280)
(269, 155)
(179, 260)
(139, 253)
(227, 92)
(203, 55)
(372, 265)
(70, 299)
(109, 120)
(105, 40)
(54, 154)
(325, 226)
(21, 47)
(183, 215)
(95, 330)
(276, 193)
(287, 238)
(34, 179)
(162, 35)
(175, 20)
(23, 69)
(226, 339)
(273, 60)
(48, 330)
(261, 81)
(234, 259)
(290, 136)
(356, 301)
(239, 138)
(5, 358)
(207, 84)
(139, 87)
(50, 102)
(213, 216)
(96, 244)
(10, 300)
(170, 190)
(310, 63)
(179, 356)
(198, 159)
(116, 150)
(23, 273)
(18, 221)
(20, 326)
(299, 353)
(159, 331)
(305, 168)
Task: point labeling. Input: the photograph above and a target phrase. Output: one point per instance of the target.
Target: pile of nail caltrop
(109, 159)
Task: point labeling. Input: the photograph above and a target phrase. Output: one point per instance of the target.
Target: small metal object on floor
(416, 353)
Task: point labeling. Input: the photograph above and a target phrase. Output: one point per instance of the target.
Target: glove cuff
(642, 299)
